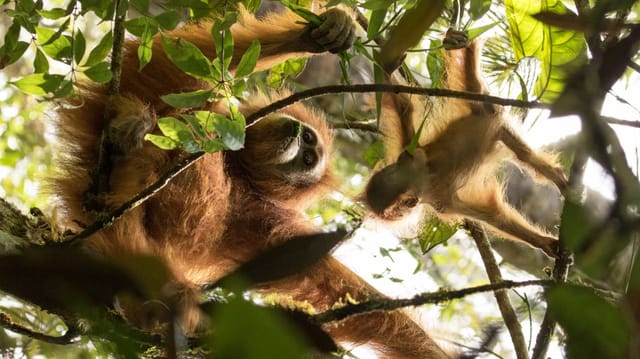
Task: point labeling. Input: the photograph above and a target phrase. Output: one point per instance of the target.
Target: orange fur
(460, 149)
(223, 210)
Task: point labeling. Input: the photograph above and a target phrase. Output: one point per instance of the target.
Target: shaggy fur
(460, 149)
(223, 210)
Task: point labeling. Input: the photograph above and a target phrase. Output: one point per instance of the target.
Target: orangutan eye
(308, 137)
(309, 158)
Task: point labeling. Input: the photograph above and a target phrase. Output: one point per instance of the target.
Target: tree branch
(363, 88)
(107, 220)
(562, 264)
(479, 235)
(70, 337)
(617, 121)
(103, 168)
(420, 299)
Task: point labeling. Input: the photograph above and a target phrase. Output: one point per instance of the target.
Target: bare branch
(363, 88)
(70, 337)
(420, 299)
(103, 168)
(108, 219)
(617, 121)
(493, 272)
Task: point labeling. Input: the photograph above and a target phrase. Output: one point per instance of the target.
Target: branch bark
(103, 168)
(420, 299)
(71, 336)
(479, 235)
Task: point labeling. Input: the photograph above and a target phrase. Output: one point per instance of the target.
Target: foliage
(46, 51)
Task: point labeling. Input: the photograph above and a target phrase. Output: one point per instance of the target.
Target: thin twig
(360, 126)
(103, 168)
(70, 337)
(106, 220)
(617, 121)
(493, 272)
(420, 299)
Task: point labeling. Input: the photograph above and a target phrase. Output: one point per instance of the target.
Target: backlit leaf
(560, 51)
(39, 84)
(100, 52)
(249, 59)
(162, 142)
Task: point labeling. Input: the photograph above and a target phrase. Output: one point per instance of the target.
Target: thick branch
(493, 272)
(420, 299)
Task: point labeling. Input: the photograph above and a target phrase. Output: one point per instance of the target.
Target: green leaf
(477, 8)
(38, 84)
(145, 49)
(65, 89)
(374, 153)
(574, 228)
(40, 62)
(187, 57)
(212, 145)
(16, 52)
(559, 51)
(53, 14)
(100, 73)
(435, 64)
(434, 233)
(195, 125)
(415, 140)
(594, 327)
(249, 59)
(168, 20)
(12, 36)
(139, 25)
(179, 132)
(162, 142)
(224, 45)
(375, 22)
(306, 14)
(208, 120)
(79, 46)
(187, 99)
(238, 88)
(100, 52)
(103, 9)
(377, 4)
(53, 44)
(231, 132)
(477, 31)
(141, 6)
(272, 336)
(274, 79)
(379, 78)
